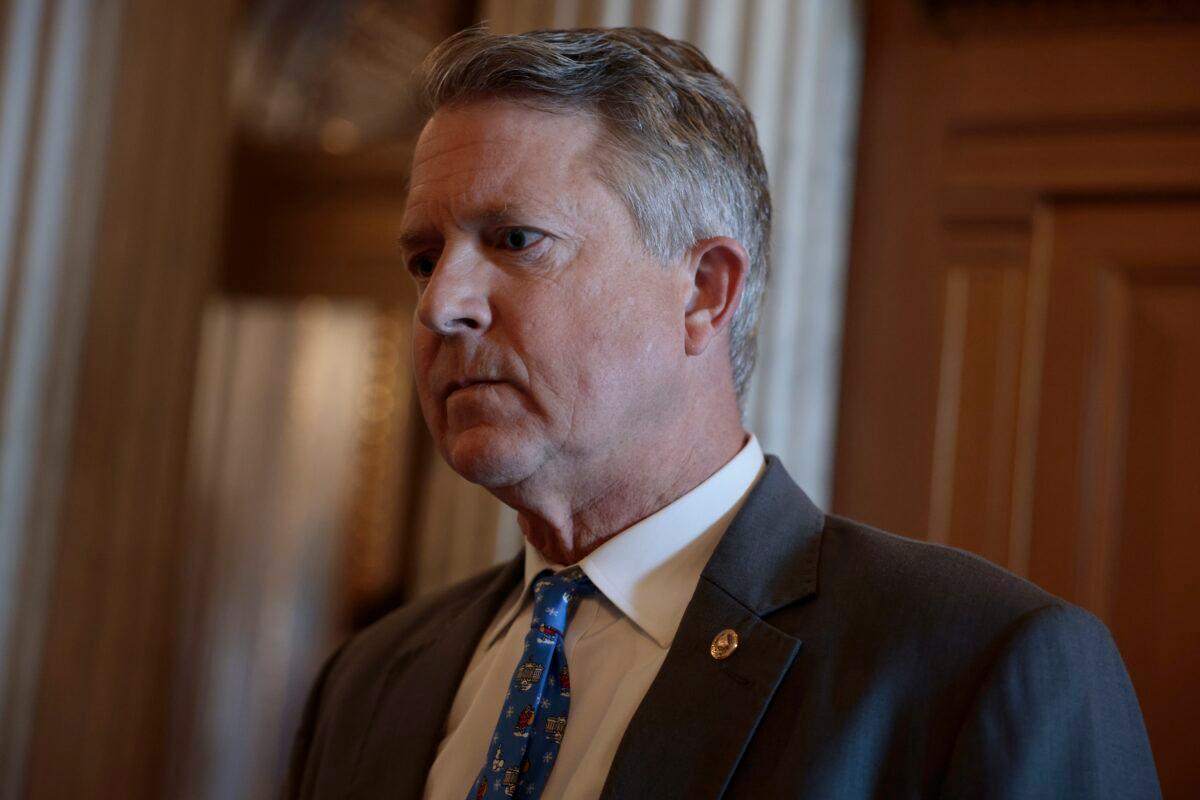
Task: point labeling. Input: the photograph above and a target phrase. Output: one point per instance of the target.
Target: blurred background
(983, 329)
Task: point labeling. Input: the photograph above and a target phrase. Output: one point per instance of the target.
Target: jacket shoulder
(926, 587)
(341, 701)
(366, 651)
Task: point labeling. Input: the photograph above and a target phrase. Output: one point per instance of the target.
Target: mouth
(469, 383)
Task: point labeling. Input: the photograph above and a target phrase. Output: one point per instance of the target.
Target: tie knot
(552, 596)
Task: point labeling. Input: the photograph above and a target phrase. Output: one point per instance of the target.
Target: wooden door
(1021, 372)
(1115, 510)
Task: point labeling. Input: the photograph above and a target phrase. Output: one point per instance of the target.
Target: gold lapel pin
(723, 644)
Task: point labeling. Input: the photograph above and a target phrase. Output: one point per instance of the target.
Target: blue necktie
(534, 717)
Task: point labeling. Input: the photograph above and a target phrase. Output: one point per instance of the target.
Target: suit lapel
(416, 696)
(689, 733)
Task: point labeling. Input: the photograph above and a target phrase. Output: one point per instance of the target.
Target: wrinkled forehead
(485, 152)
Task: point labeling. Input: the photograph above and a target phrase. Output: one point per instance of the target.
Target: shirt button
(723, 644)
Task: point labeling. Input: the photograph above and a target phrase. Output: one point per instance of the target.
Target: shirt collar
(650, 570)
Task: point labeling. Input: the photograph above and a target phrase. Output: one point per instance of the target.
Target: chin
(491, 457)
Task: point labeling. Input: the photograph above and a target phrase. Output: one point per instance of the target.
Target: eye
(519, 238)
(422, 266)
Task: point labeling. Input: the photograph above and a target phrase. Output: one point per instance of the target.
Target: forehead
(501, 153)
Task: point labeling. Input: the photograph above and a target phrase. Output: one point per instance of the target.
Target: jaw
(492, 456)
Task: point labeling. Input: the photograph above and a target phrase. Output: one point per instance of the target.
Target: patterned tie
(534, 717)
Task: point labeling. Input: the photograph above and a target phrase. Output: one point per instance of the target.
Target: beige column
(112, 149)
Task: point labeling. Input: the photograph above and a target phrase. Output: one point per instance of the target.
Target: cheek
(625, 342)
(645, 325)
(545, 339)
(590, 344)
(424, 352)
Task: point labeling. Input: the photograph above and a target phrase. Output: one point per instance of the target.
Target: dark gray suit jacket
(869, 666)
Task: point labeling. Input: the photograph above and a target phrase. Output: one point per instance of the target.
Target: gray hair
(678, 143)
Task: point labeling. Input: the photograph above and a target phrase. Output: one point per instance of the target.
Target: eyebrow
(416, 238)
(487, 216)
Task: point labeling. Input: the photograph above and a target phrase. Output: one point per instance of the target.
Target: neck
(565, 526)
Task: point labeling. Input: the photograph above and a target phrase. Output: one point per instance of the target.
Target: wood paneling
(1115, 502)
(975, 436)
(1021, 366)
(1154, 596)
(296, 226)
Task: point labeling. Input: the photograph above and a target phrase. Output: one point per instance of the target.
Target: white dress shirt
(616, 639)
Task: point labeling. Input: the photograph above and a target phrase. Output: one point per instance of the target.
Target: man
(587, 226)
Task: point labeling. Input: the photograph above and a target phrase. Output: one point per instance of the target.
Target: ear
(718, 268)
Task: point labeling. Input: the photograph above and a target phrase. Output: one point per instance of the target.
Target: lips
(467, 383)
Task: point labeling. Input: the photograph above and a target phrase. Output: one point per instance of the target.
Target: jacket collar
(768, 559)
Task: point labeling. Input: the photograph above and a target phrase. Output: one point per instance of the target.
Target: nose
(455, 300)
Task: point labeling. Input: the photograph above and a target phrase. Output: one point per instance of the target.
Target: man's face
(547, 338)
